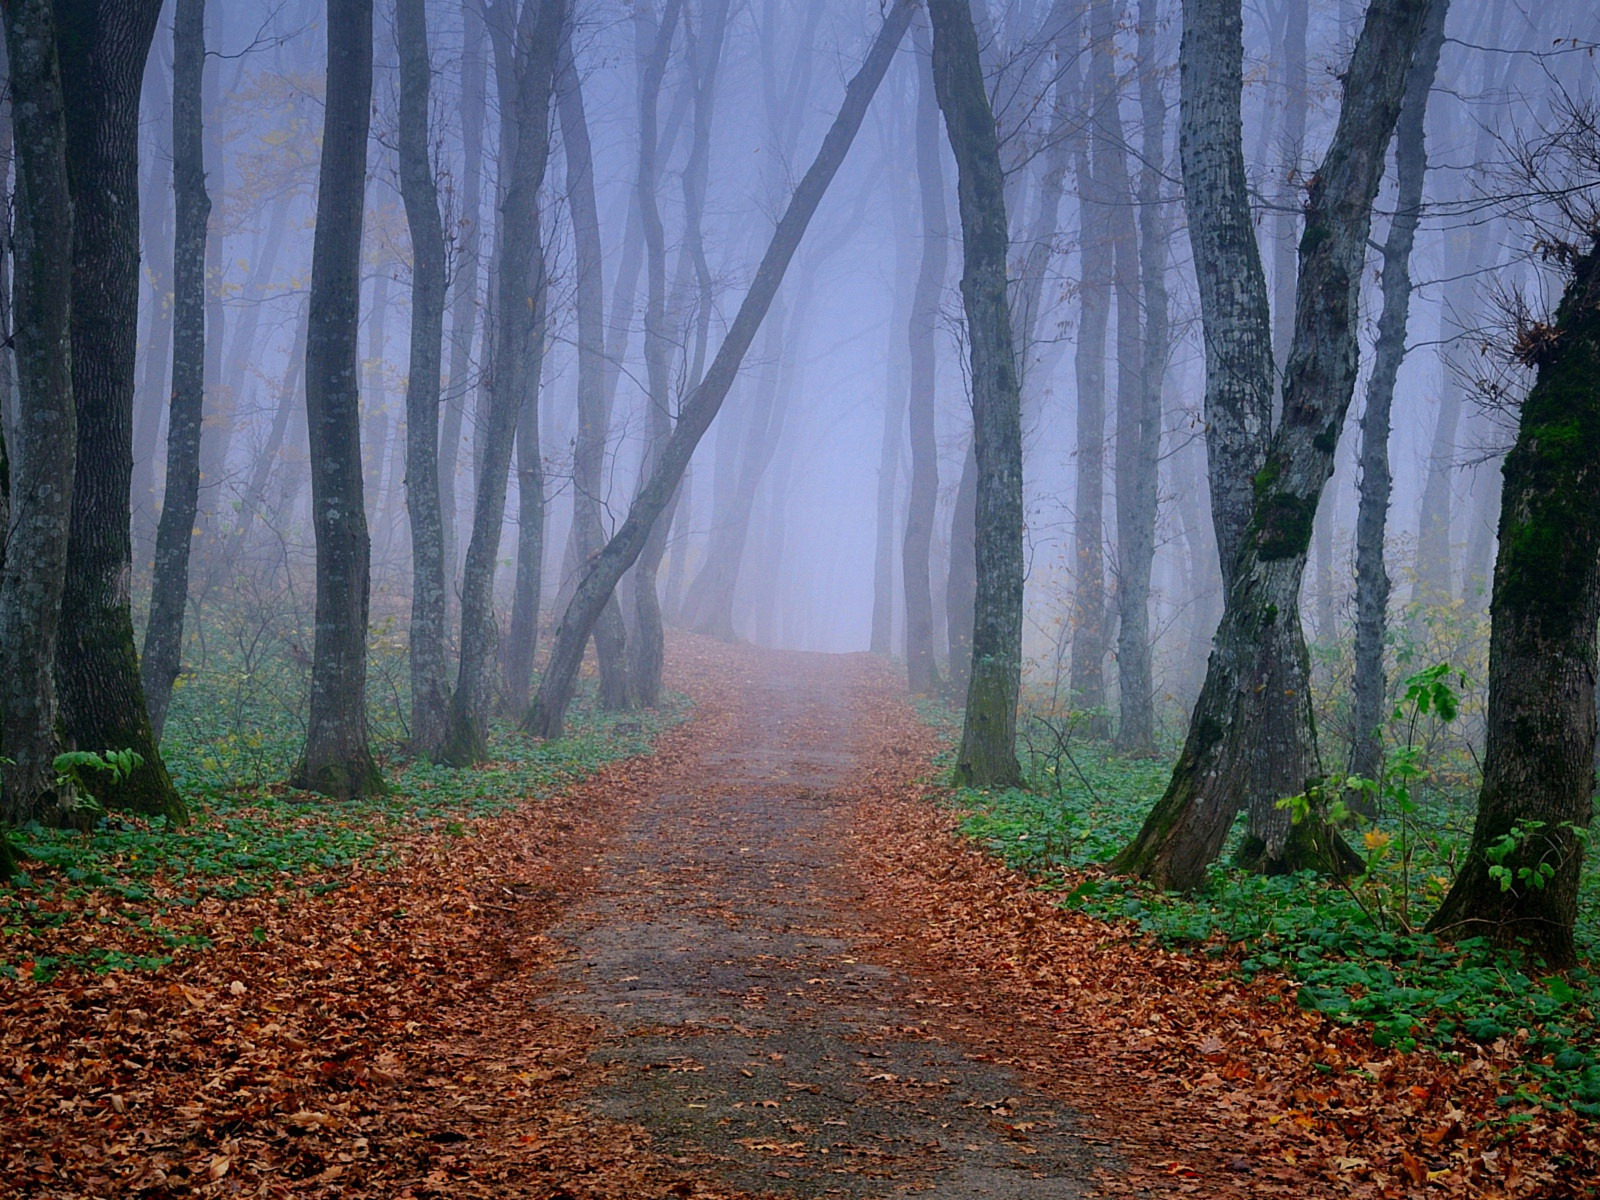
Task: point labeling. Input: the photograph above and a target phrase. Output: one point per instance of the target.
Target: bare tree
(337, 761)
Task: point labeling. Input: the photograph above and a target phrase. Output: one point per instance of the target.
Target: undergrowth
(1355, 958)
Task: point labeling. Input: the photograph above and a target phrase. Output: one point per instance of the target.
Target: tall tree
(103, 47)
(40, 492)
(922, 501)
(594, 405)
(527, 46)
(337, 761)
(988, 753)
(1520, 880)
(1251, 738)
(1372, 575)
(169, 588)
(701, 406)
(430, 688)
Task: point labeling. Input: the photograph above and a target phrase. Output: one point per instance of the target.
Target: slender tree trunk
(468, 270)
(896, 405)
(607, 567)
(169, 590)
(1372, 576)
(922, 669)
(526, 82)
(594, 408)
(1139, 435)
(430, 688)
(40, 492)
(522, 632)
(1520, 881)
(1251, 737)
(646, 648)
(152, 397)
(337, 761)
(103, 48)
(988, 754)
(961, 580)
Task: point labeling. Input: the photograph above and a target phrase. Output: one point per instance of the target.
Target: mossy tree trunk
(430, 688)
(603, 572)
(40, 493)
(337, 760)
(1519, 884)
(103, 46)
(1251, 738)
(988, 754)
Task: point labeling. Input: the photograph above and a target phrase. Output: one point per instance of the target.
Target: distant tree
(527, 45)
(169, 588)
(337, 761)
(922, 501)
(1251, 738)
(33, 576)
(430, 688)
(103, 47)
(701, 406)
(988, 753)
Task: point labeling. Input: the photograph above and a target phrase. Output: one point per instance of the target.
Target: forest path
(727, 951)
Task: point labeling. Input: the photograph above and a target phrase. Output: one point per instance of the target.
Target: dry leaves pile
(1221, 1086)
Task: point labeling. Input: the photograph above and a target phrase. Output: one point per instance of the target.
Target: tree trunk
(169, 589)
(337, 761)
(1139, 432)
(1251, 737)
(698, 410)
(1372, 576)
(103, 48)
(594, 407)
(1519, 884)
(430, 688)
(922, 670)
(522, 632)
(526, 61)
(961, 580)
(988, 754)
(34, 578)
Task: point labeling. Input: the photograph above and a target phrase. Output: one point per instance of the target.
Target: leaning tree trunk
(103, 47)
(922, 670)
(1372, 576)
(430, 688)
(988, 753)
(526, 83)
(34, 577)
(594, 408)
(1251, 737)
(1519, 885)
(606, 568)
(169, 588)
(336, 760)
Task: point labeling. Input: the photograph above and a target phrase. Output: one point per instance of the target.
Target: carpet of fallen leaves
(388, 1038)
(1221, 1086)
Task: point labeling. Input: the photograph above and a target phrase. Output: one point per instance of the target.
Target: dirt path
(723, 951)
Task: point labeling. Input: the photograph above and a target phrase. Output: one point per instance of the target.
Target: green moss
(1264, 480)
(1282, 526)
(1313, 238)
(1327, 441)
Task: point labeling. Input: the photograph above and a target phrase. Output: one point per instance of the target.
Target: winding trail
(725, 953)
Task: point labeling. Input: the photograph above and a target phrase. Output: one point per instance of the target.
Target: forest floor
(758, 962)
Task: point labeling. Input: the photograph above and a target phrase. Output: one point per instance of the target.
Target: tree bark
(526, 61)
(522, 631)
(337, 761)
(988, 753)
(961, 580)
(594, 405)
(34, 578)
(922, 670)
(1139, 417)
(606, 568)
(430, 688)
(1538, 767)
(1251, 738)
(169, 589)
(1372, 576)
(103, 47)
